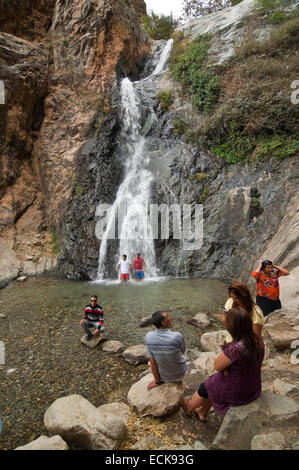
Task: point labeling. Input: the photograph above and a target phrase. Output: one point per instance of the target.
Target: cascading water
(130, 211)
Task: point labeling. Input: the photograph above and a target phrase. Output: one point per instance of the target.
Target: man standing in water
(124, 266)
(165, 351)
(139, 266)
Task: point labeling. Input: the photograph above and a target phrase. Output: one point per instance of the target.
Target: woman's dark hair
(157, 318)
(241, 290)
(265, 263)
(239, 325)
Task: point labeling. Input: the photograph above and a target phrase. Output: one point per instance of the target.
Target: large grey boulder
(280, 327)
(159, 401)
(135, 354)
(205, 362)
(119, 409)
(94, 341)
(270, 441)
(113, 347)
(214, 340)
(201, 320)
(80, 423)
(45, 443)
(266, 414)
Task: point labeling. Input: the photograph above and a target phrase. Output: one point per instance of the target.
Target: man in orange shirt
(267, 286)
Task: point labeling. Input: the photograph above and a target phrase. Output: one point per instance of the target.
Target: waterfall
(130, 210)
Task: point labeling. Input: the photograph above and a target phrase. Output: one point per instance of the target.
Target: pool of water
(45, 360)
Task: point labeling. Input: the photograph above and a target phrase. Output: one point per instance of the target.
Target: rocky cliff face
(60, 142)
(59, 61)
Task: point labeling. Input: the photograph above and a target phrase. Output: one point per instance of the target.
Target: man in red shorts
(124, 266)
(139, 266)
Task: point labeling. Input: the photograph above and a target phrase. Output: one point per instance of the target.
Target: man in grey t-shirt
(165, 351)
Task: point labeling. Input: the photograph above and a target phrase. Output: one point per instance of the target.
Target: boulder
(213, 341)
(201, 320)
(284, 388)
(159, 401)
(148, 443)
(280, 327)
(192, 354)
(121, 410)
(266, 414)
(196, 446)
(94, 341)
(136, 354)
(145, 322)
(205, 362)
(80, 423)
(45, 443)
(271, 441)
(113, 347)
(22, 279)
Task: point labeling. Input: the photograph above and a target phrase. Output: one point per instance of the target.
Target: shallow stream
(44, 359)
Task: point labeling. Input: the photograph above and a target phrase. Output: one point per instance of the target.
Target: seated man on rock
(93, 318)
(165, 351)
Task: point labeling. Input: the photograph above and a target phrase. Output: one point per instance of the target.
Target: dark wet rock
(146, 322)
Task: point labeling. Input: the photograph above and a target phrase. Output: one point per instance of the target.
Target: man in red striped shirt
(93, 318)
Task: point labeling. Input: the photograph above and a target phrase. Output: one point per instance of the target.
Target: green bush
(187, 65)
(165, 99)
(180, 127)
(198, 177)
(54, 241)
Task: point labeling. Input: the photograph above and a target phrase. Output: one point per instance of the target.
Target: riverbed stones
(135, 354)
(81, 424)
(94, 341)
(266, 414)
(270, 441)
(205, 362)
(113, 346)
(119, 409)
(46, 443)
(213, 341)
(201, 320)
(159, 401)
(22, 279)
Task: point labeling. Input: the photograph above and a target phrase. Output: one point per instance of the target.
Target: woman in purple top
(238, 380)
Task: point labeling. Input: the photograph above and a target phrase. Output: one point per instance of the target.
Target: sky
(165, 7)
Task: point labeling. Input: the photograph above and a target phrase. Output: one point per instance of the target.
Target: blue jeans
(92, 324)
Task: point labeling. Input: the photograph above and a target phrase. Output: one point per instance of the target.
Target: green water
(55, 303)
(45, 360)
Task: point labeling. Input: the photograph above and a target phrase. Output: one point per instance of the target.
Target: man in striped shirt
(165, 351)
(93, 318)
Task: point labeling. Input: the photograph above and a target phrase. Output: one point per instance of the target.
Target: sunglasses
(93, 300)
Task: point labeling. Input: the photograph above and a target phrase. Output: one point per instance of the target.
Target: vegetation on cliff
(246, 101)
(159, 26)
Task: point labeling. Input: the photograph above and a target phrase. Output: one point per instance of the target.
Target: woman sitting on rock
(238, 380)
(240, 297)
(267, 286)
